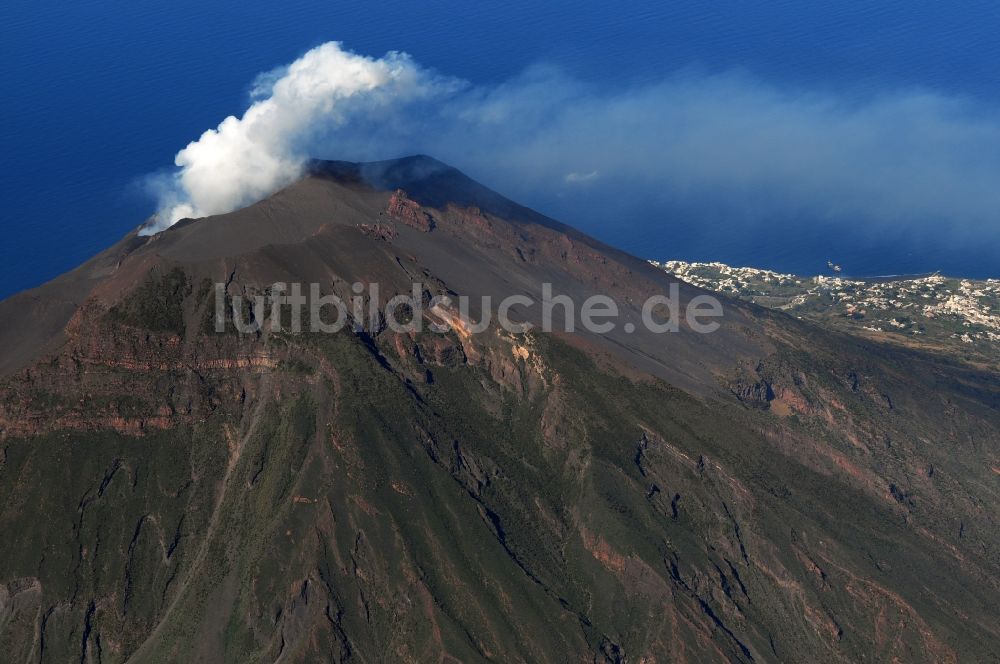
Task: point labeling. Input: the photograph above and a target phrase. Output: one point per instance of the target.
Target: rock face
(409, 212)
(770, 492)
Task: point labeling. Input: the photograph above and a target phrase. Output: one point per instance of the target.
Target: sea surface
(97, 93)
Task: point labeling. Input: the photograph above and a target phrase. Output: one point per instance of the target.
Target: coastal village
(934, 311)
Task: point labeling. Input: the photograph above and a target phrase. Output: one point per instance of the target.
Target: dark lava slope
(768, 492)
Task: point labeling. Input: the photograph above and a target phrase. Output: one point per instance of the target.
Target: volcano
(769, 491)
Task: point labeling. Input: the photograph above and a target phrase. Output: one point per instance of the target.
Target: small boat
(834, 267)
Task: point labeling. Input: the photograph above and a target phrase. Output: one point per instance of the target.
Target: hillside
(957, 317)
(772, 491)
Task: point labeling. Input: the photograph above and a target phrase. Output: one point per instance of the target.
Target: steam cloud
(245, 159)
(728, 143)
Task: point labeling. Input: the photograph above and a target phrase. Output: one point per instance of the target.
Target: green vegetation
(158, 304)
(361, 500)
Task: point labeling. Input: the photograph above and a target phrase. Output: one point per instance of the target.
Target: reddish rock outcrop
(407, 211)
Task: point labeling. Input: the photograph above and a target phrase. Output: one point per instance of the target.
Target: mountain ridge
(773, 491)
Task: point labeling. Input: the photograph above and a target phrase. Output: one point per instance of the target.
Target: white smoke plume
(245, 159)
(698, 147)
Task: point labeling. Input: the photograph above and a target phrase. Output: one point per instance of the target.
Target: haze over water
(97, 95)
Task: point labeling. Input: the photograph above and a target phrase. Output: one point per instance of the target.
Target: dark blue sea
(97, 94)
